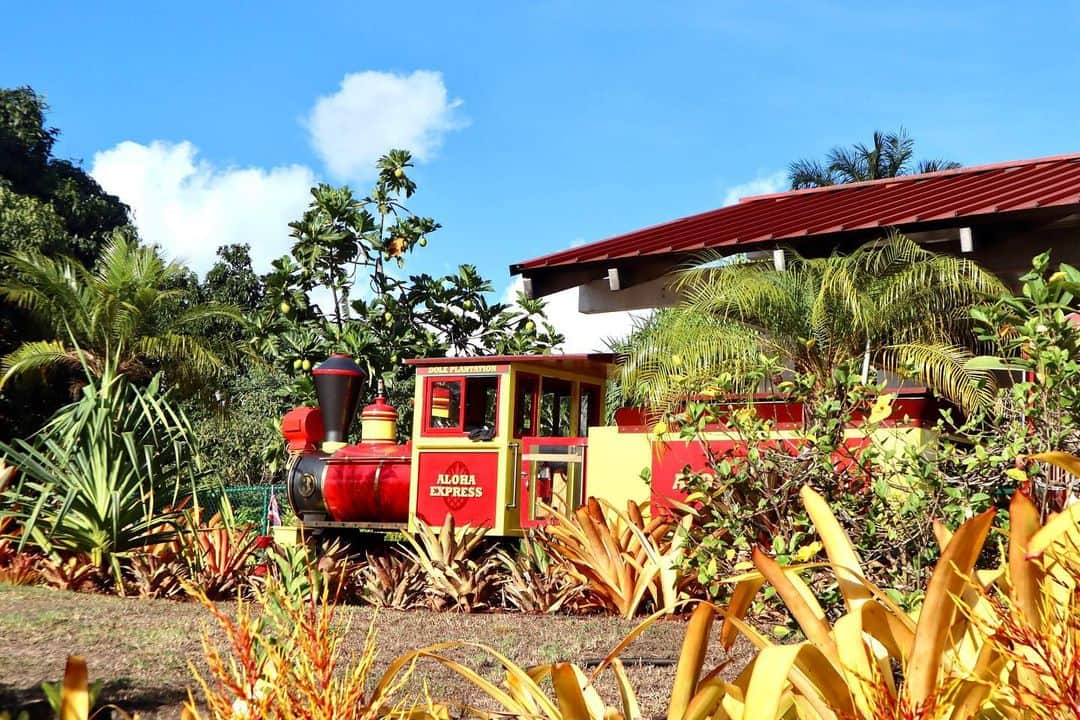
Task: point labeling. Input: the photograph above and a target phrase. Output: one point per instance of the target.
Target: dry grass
(142, 648)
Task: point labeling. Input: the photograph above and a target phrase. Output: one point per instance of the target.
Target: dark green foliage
(238, 430)
(50, 206)
(888, 155)
(64, 190)
(134, 307)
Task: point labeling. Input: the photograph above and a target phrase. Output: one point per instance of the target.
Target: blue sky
(541, 124)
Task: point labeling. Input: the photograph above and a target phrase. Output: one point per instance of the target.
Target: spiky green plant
(460, 571)
(101, 478)
(890, 305)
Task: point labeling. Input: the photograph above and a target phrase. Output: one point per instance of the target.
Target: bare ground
(144, 649)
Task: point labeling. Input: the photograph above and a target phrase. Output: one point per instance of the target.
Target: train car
(500, 442)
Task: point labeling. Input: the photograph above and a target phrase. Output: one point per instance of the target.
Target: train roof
(584, 363)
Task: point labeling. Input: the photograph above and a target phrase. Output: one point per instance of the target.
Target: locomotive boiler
(333, 484)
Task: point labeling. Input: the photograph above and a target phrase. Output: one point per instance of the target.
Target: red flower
(264, 541)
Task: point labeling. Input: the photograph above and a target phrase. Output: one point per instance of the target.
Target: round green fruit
(467, 304)
(530, 326)
(284, 307)
(423, 242)
(388, 317)
(306, 364)
(399, 173)
(297, 363)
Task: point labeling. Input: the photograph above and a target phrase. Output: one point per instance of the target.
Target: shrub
(955, 659)
(101, 477)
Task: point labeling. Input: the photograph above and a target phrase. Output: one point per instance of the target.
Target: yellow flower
(659, 429)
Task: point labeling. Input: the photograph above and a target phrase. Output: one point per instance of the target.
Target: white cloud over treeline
(190, 205)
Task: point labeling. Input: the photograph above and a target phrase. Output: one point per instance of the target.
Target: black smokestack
(338, 382)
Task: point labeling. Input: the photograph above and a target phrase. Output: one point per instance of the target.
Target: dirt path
(142, 648)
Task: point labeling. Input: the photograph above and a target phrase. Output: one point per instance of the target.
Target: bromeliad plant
(621, 558)
(534, 582)
(1000, 644)
(460, 572)
(390, 580)
(284, 658)
(976, 649)
(103, 476)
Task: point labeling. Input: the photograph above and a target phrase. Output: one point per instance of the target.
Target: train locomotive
(498, 442)
(501, 442)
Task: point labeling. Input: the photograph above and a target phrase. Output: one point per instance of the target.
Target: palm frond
(40, 356)
(942, 368)
(804, 174)
(936, 165)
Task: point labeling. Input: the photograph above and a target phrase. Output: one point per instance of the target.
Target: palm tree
(891, 305)
(130, 306)
(889, 155)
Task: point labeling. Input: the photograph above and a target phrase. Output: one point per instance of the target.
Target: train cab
(502, 441)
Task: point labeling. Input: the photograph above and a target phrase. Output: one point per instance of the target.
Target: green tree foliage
(132, 306)
(65, 191)
(50, 206)
(888, 155)
(356, 248)
(891, 306)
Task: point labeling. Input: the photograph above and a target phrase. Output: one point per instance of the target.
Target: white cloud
(762, 185)
(190, 208)
(374, 112)
(584, 333)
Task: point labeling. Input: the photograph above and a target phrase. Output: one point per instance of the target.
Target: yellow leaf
(846, 562)
(806, 552)
(1066, 461)
(1065, 523)
(882, 408)
(687, 672)
(75, 695)
(1017, 474)
(938, 610)
(1025, 574)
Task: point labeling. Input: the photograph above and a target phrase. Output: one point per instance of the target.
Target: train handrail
(516, 471)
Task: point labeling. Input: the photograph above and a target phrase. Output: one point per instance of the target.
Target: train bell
(378, 421)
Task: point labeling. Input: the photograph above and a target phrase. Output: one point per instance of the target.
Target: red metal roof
(892, 202)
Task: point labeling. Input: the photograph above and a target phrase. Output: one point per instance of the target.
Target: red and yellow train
(497, 442)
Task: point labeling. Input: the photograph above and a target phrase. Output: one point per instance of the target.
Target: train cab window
(444, 405)
(481, 404)
(589, 412)
(463, 405)
(525, 405)
(555, 400)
